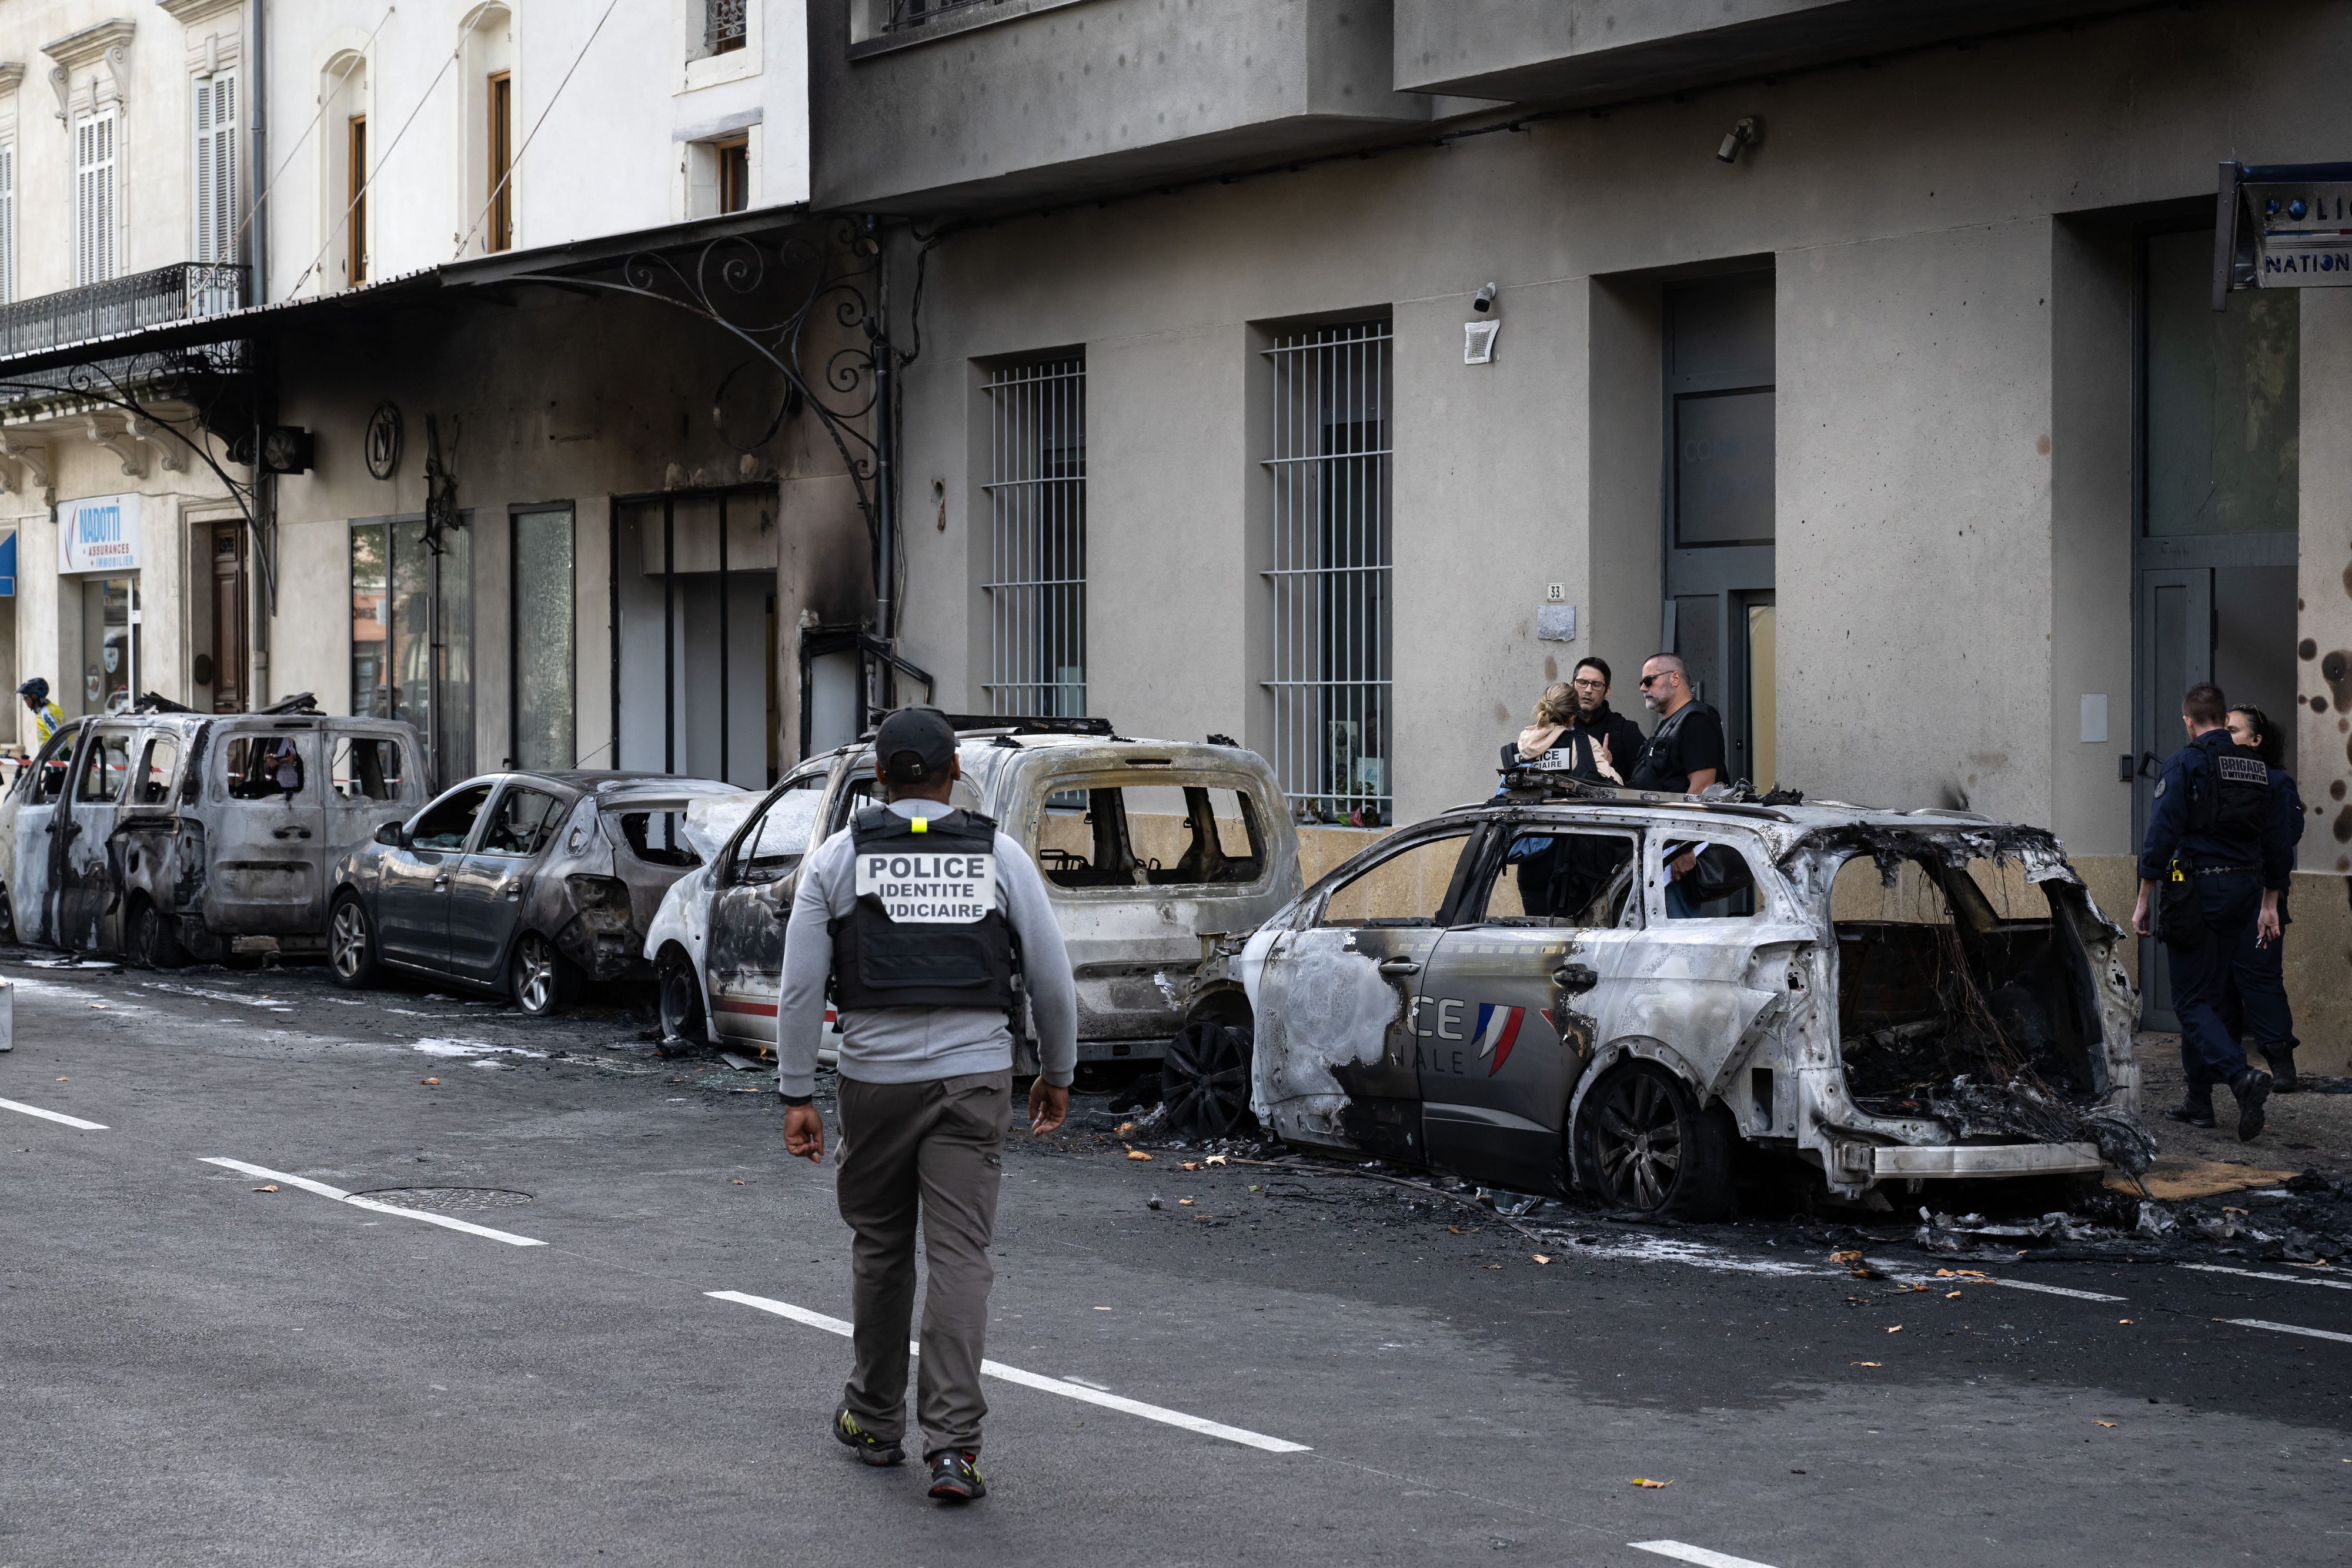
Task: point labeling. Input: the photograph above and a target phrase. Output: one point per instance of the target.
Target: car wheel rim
(351, 940)
(1208, 1091)
(538, 976)
(1638, 1142)
(675, 1010)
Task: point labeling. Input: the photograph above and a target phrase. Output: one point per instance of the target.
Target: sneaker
(2282, 1080)
(872, 1450)
(2251, 1088)
(2196, 1108)
(955, 1476)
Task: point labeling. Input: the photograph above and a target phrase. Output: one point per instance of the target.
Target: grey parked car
(165, 834)
(529, 883)
(1147, 847)
(1522, 991)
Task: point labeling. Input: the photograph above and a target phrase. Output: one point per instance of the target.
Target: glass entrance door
(1719, 614)
(110, 637)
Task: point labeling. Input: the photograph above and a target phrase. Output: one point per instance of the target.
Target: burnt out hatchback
(527, 882)
(1572, 988)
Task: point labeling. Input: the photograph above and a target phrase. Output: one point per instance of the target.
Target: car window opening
(447, 825)
(1716, 885)
(366, 767)
(1962, 996)
(263, 767)
(1407, 888)
(523, 821)
(1578, 880)
(658, 838)
(781, 836)
(1150, 835)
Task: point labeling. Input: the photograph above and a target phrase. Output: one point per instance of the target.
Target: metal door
(269, 846)
(1719, 523)
(89, 886)
(1506, 1026)
(412, 884)
(751, 899)
(38, 852)
(486, 893)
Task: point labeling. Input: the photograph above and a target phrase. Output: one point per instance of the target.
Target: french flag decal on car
(1499, 1031)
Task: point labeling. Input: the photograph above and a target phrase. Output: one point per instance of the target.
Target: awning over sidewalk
(488, 272)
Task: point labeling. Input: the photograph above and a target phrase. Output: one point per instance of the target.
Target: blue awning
(8, 567)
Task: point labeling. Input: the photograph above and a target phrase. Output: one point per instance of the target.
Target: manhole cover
(448, 1200)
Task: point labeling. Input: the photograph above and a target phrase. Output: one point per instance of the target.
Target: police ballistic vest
(926, 931)
(2232, 800)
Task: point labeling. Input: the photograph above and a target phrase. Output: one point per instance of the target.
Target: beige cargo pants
(936, 1149)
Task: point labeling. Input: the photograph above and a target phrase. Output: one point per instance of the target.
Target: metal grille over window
(722, 26)
(1333, 556)
(1037, 539)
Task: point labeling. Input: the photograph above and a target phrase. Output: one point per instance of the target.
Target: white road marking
(2045, 1289)
(2290, 1328)
(2282, 1279)
(1682, 1551)
(1066, 1389)
(371, 1205)
(58, 1116)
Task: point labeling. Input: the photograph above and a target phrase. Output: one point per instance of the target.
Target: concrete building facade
(1861, 353)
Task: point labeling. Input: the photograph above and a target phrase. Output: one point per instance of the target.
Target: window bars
(1333, 644)
(1036, 584)
(722, 26)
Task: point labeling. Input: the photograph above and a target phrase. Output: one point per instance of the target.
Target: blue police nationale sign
(98, 533)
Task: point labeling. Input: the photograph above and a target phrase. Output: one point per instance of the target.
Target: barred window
(1036, 585)
(722, 26)
(1332, 555)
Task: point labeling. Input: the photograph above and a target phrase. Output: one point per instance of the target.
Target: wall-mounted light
(1483, 300)
(1747, 133)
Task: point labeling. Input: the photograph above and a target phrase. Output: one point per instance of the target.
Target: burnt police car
(1505, 991)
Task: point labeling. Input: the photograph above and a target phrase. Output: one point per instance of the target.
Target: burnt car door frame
(295, 826)
(743, 959)
(487, 887)
(412, 885)
(87, 879)
(37, 841)
(1384, 1109)
(1507, 1021)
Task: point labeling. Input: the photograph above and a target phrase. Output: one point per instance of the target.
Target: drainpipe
(264, 484)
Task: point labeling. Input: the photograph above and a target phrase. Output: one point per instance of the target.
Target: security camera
(1747, 133)
(1485, 300)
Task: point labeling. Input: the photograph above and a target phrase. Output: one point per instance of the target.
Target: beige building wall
(1951, 237)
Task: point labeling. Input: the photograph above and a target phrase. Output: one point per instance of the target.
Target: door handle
(441, 881)
(289, 832)
(1399, 967)
(514, 894)
(1575, 977)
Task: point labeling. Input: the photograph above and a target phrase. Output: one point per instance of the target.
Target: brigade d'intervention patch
(2243, 769)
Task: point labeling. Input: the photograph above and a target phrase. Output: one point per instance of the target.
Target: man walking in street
(920, 915)
(2204, 850)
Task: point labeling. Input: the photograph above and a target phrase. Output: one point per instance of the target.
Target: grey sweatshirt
(909, 1045)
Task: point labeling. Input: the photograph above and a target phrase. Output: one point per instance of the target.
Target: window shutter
(205, 237)
(107, 214)
(216, 195)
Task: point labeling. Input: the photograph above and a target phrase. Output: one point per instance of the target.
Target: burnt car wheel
(351, 944)
(153, 944)
(1204, 1080)
(543, 978)
(681, 1005)
(1644, 1146)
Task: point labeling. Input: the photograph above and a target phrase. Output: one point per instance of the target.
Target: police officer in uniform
(918, 916)
(2204, 852)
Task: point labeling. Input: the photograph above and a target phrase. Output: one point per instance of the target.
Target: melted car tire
(540, 979)
(152, 943)
(1644, 1146)
(1204, 1080)
(681, 1007)
(351, 945)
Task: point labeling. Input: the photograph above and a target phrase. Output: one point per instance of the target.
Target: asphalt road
(199, 1372)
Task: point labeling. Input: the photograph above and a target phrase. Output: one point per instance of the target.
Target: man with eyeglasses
(1609, 729)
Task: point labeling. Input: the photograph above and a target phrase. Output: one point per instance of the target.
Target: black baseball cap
(915, 745)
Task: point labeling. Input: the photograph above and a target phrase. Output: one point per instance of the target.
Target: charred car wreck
(165, 834)
(1503, 991)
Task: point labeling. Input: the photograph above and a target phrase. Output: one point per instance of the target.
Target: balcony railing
(722, 26)
(915, 13)
(185, 292)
